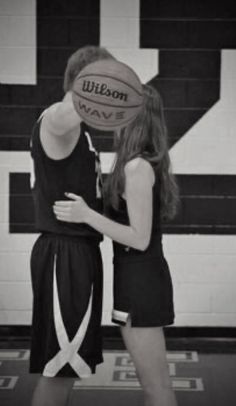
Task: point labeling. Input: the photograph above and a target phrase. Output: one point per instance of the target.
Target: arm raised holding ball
(60, 125)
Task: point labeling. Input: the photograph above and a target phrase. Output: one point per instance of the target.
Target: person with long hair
(141, 192)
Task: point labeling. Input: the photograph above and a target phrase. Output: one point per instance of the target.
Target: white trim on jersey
(69, 350)
(97, 165)
(91, 147)
(32, 173)
(32, 170)
(42, 114)
(120, 316)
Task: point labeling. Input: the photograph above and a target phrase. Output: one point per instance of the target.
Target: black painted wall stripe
(210, 210)
(202, 9)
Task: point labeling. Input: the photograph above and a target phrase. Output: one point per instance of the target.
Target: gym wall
(187, 50)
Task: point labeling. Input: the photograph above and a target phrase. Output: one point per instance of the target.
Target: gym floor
(200, 378)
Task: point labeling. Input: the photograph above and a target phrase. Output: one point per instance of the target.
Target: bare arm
(59, 129)
(61, 118)
(139, 177)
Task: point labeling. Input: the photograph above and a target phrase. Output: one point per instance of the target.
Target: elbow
(143, 244)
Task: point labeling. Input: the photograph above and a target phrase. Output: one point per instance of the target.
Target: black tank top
(155, 248)
(78, 173)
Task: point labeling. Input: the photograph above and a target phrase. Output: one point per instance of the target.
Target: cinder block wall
(186, 49)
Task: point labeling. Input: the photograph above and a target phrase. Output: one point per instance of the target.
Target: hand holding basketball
(107, 94)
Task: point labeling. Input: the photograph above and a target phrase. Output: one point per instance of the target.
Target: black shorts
(67, 283)
(142, 290)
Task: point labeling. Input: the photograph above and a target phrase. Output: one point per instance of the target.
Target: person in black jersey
(141, 192)
(66, 266)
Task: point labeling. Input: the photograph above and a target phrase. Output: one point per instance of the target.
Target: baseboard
(205, 339)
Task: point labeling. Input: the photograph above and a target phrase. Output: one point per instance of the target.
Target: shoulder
(48, 114)
(140, 168)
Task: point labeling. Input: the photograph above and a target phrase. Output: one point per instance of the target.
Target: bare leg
(52, 391)
(146, 346)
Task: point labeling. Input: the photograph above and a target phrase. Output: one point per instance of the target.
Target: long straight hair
(146, 137)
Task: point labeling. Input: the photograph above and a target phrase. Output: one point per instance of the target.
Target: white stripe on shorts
(69, 350)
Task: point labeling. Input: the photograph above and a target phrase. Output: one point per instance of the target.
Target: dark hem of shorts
(141, 324)
(167, 319)
(72, 375)
(135, 323)
(159, 323)
(145, 325)
(120, 323)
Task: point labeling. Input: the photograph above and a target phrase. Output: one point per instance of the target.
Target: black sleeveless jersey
(78, 173)
(121, 216)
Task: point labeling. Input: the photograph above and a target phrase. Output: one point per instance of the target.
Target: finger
(62, 203)
(72, 196)
(63, 218)
(61, 210)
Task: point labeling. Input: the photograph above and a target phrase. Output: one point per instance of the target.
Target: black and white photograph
(117, 202)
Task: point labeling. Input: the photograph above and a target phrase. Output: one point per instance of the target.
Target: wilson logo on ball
(107, 94)
(102, 89)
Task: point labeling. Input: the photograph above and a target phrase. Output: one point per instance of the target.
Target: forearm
(139, 209)
(120, 233)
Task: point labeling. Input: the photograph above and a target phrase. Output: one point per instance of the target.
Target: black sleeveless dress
(66, 266)
(142, 282)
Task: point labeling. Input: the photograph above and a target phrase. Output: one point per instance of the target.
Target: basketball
(107, 94)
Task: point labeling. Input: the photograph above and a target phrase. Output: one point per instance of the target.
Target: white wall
(18, 41)
(203, 266)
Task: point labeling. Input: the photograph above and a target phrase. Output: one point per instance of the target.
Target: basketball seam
(119, 124)
(111, 77)
(106, 104)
